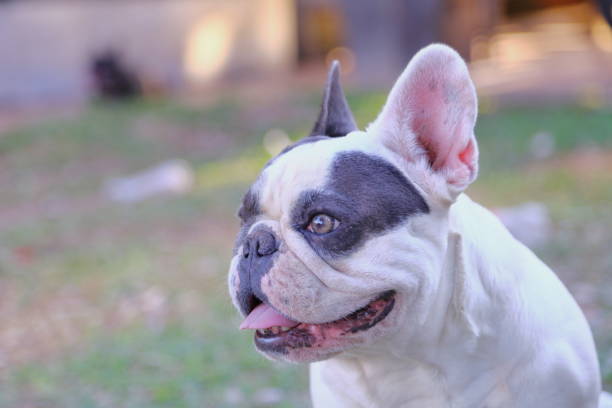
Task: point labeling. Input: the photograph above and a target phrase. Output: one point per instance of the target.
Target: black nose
(258, 255)
(261, 242)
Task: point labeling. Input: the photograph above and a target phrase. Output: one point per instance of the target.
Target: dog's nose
(258, 254)
(261, 242)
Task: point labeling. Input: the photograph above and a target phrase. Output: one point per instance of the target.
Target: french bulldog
(360, 253)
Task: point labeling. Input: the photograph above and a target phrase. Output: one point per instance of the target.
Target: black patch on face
(366, 194)
(259, 251)
(250, 206)
(248, 212)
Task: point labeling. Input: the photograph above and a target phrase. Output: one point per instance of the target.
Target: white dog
(360, 253)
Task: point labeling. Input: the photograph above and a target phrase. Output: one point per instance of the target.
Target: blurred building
(175, 45)
(46, 46)
(377, 38)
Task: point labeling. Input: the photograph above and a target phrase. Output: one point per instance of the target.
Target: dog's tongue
(263, 317)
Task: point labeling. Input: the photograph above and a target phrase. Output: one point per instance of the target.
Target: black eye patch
(366, 194)
(248, 212)
(250, 206)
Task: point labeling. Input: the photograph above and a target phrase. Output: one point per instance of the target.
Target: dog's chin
(315, 342)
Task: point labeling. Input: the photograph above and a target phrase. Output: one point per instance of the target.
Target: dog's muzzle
(259, 251)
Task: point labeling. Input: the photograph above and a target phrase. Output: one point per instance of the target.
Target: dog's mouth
(276, 333)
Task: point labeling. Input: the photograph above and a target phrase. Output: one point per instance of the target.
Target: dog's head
(344, 233)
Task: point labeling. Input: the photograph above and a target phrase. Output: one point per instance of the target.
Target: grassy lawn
(113, 305)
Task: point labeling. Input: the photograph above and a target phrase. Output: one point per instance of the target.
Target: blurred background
(130, 129)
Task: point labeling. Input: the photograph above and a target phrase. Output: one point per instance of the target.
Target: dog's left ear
(430, 114)
(335, 118)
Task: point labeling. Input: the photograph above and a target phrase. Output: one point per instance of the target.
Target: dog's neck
(463, 327)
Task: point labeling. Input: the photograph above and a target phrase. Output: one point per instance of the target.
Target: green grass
(179, 366)
(116, 305)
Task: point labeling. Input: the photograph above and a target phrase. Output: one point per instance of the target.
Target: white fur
(479, 320)
(490, 325)
(502, 332)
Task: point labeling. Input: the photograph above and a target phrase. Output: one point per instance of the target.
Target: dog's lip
(312, 335)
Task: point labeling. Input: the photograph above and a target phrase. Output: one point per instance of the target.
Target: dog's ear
(430, 114)
(335, 118)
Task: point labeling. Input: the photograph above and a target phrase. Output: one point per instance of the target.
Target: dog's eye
(322, 224)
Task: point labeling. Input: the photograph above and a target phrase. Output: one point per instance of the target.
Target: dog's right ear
(335, 118)
(430, 115)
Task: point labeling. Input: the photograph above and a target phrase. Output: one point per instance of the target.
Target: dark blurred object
(606, 9)
(112, 79)
(466, 22)
(384, 35)
(320, 28)
(514, 7)
(375, 39)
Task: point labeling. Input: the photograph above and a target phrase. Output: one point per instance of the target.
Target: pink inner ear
(467, 154)
(431, 110)
(435, 122)
(441, 111)
(466, 166)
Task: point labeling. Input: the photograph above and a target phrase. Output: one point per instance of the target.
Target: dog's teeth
(285, 329)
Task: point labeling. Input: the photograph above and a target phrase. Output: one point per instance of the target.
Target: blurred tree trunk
(385, 34)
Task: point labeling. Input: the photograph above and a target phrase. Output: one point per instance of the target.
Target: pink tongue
(263, 317)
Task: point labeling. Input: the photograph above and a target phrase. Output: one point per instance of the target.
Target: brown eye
(322, 224)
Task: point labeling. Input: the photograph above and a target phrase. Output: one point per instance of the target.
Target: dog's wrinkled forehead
(300, 166)
(364, 191)
(304, 167)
